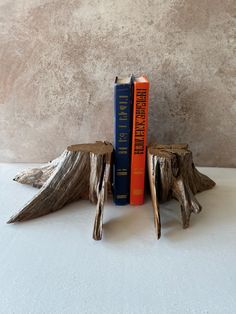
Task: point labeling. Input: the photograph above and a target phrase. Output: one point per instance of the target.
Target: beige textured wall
(58, 60)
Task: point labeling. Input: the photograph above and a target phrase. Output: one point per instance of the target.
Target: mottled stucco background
(58, 60)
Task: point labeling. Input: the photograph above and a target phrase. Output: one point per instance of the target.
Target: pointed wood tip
(158, 229)
(19, 217)
(11, 220)
(212, 183)
(16, 178)
(206, 183)
(16, 218)
(97, 238)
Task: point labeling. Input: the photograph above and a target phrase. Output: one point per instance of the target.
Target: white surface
(52, 265)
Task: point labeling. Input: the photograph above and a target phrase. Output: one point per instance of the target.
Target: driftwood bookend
(172, 174)
(81, 172)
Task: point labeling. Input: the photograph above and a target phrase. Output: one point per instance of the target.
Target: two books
(131, 121)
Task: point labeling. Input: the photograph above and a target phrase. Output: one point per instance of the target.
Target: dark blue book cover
(122, 147)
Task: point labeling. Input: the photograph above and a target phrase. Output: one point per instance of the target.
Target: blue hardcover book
(122, 147)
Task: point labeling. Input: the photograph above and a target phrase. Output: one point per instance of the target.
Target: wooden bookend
(81, 172)
(172, 174)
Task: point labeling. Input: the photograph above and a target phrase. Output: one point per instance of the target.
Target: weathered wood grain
(172, 174)
(82, 171)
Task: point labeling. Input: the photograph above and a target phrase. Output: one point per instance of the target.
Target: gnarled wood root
(172, 174)
(82, 171)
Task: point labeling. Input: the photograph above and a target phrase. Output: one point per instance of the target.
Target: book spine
(121, 171)
(139, 140)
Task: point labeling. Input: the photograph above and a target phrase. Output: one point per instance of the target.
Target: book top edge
(128, 79)
(141, 79)
(123, 80)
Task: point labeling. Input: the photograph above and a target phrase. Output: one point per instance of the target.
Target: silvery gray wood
(172, 174)
(37, 176)
(82, 171)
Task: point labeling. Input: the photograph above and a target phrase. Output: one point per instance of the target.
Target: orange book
(139, 140)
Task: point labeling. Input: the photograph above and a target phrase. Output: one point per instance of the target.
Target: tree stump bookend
(81, 172)
(172, 174)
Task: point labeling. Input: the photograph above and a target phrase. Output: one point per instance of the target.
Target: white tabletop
(52, 265)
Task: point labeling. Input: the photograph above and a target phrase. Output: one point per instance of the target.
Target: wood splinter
(172, 174)
(81, 172)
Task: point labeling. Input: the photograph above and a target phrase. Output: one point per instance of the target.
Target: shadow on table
(211, 220)
(131, 223)
(138, 222)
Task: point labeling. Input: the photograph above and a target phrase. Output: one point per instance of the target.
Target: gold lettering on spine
(122, 135)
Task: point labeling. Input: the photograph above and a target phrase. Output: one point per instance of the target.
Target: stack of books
(131, 122)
